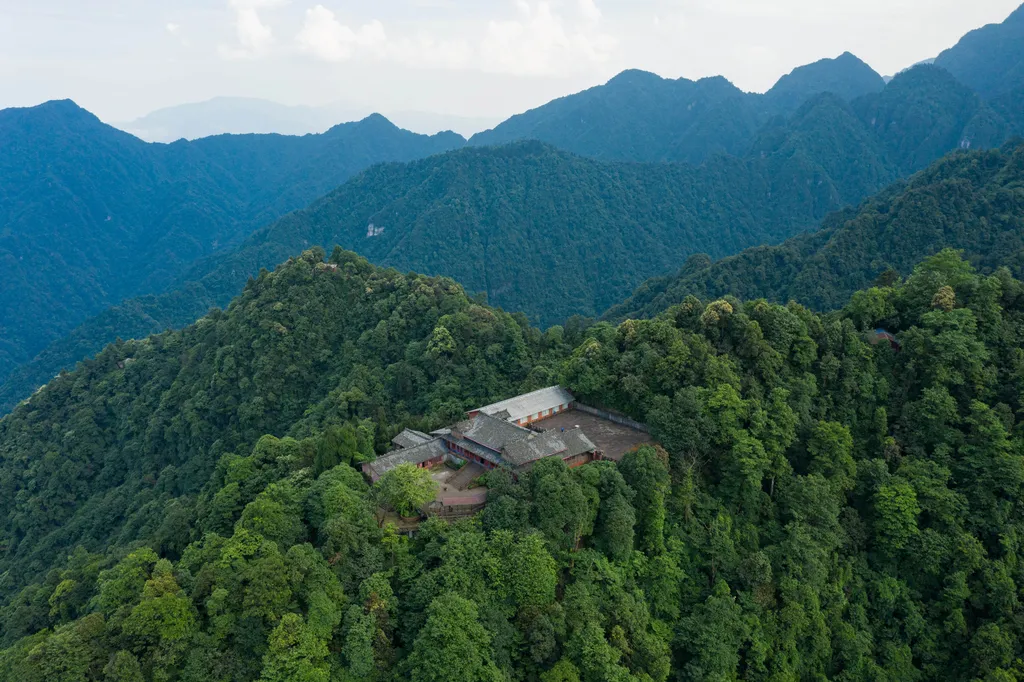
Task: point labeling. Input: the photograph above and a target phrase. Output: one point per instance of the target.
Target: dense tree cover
(969, 201)
(503, 211)
(331, 360)
(639, 116)
(535, 229)
(819, 507)
(924, 113)
(404, 490)
(920, 115)
(846, 76)
(92, 215)
(990, 59)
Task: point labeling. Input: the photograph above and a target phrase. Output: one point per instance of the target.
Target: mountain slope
(924, 113)
(244, 115)
(190, 507)
(970, 201)
(91, 215)
(821, 158)
(990, 60)
(638, 116)
(302, 335)
(846, 76)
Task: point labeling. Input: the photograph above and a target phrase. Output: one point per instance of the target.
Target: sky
(122, 59)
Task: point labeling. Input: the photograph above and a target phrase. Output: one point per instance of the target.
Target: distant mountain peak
(42, 121)
(635, 77)
(925, 73)
(64, 108)
(846, 76)
(990, 59)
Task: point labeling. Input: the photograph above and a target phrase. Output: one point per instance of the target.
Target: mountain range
(534, 228)
(970, 201)
(832, 389)
(190, 506)
(246, 115)
(638, 116)
(92, 216)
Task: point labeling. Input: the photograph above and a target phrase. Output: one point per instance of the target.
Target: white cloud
(535, 40)
(254, 36)
(590, 11)
(541, 42)
(329, 39)
(173, 28)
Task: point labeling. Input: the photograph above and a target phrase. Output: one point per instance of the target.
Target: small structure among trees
(495, 436)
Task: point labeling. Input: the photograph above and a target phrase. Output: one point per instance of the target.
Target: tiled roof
(491, 432)
(531, 403)
(410, 438)
(415, 455)
(548, 444)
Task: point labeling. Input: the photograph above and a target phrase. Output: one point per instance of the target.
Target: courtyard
(614, 440)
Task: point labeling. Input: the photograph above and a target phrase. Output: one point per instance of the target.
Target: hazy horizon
(124, 59)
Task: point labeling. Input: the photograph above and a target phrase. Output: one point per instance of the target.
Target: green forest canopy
(969, 201)
(554, 235)
(186, 507)
(92, 215)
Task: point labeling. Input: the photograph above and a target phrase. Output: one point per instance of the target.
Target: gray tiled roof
(415, 455)
(548, 444)
(410, 438)
(531, 403)
(491, 432)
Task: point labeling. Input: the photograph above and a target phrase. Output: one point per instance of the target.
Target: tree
(713, 636)
(831, 450)
(404, 489)
(338, 445)
(295, 654)
(564, 671)
(452, 646)
(164, 621)
(896, 512)
(560, 509)
(123, 667)
(646, 472)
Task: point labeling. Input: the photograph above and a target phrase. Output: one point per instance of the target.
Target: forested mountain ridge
(91, 215)
(822, 508)
(846, 77)
(828, 154)
(639, 116)
(969, 201)
(925, 113)
(990, 59)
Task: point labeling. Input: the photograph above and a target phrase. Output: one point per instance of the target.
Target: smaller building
(410, 438)
(493, 442)
(884, 336)
(495, 436)
(530, 407)
(424, 456)
(573, 447)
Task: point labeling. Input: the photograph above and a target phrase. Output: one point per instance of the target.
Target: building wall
(544, 414)
(462, 453)
(579, 460)
(421, 465)
(431, 462)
